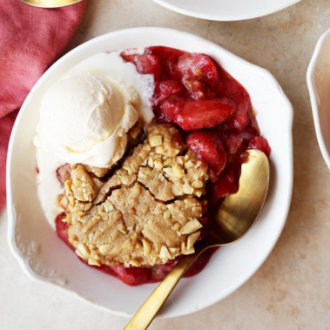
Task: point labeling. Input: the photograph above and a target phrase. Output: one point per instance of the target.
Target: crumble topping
(146, 212)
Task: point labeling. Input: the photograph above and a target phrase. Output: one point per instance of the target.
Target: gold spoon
(50, 3)
(234, 218)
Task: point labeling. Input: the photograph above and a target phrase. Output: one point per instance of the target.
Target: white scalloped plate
(318, 82)
(44, 257)
(226, 10)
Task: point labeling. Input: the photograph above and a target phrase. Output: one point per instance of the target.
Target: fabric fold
(30, 40)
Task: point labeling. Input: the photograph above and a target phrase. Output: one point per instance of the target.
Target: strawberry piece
(165, 89)
(195, 88)
(158, 272)
(195, 69)
(208, 147)
(168, 57)
(197, 66)
(170, 108)
(204, 113)
(130, 275)
(165, 54)
(258, 142)
(63, 173)
(232, 142)
(62, 229)
(225, 185)
(240, 119)
(203, 220)
(145, 63)
(200, 263)
(230, 88)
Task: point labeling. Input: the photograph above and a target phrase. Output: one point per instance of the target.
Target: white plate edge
(221, 18)
(12, 219)
(313, 95)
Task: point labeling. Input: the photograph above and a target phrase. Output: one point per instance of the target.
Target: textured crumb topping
(145, 212)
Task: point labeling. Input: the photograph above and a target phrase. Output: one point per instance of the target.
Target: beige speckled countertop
(292, 289)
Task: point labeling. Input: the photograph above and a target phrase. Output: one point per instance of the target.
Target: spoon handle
(143, 317)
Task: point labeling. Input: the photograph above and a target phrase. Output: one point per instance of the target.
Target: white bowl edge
(219, 17)
(12, 217)
(313, 96)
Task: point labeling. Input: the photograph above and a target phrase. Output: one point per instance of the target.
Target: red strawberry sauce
(215, 115)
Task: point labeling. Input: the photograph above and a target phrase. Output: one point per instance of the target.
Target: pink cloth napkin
(30, 40)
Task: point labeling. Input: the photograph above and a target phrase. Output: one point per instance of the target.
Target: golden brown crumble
(146, 213)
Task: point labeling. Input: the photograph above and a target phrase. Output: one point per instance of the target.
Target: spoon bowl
(237, 212)
(50, 3)
(234, 217)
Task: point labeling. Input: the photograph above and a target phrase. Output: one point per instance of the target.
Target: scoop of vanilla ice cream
(80, 111)
(85, 120)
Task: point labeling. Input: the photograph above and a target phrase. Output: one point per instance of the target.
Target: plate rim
(11, 208)
(222, 18)
(313, 95)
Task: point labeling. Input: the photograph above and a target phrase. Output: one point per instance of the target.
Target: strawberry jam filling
(215, 115)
